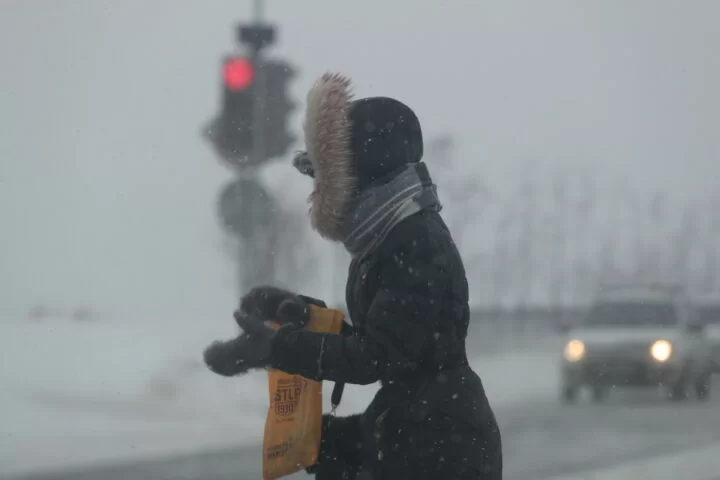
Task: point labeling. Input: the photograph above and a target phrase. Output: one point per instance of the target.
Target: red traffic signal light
(238, 73)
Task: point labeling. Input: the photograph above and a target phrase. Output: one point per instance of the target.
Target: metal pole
(254, 248)
(257, 11)
(259, 115)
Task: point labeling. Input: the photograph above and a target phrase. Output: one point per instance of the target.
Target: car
(636, 336)
(706, 311)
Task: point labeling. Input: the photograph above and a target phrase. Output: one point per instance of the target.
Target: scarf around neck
(376, 210)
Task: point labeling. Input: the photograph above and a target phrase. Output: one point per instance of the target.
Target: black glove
(250, 350)
(278, 305)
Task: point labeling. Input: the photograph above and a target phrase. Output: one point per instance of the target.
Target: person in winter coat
(407, 298)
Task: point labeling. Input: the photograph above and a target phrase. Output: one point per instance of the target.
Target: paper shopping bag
(294, 420)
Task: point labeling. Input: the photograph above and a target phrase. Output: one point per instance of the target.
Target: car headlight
(574, 350)
(661, 350)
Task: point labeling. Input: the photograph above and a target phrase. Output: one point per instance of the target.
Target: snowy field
(78, 394)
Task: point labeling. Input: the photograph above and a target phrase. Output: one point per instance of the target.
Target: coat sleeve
(399, 324)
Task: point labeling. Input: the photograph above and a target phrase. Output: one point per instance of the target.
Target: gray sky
(107, 191)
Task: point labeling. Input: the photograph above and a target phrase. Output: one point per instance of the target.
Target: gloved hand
(250, 350)
(278, 305)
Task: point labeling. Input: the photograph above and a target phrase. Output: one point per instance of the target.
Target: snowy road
(542, 440)
(144, 407)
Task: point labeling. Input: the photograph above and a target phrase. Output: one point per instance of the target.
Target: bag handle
(339, 387)
(336, 397)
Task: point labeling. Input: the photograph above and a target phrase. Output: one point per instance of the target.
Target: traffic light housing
(232, 133)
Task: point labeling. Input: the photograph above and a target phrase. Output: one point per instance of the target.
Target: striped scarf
(376, 210)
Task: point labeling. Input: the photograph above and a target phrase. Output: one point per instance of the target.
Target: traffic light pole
(256, 265)
(257, 11)
(256, 43)
(250, 130)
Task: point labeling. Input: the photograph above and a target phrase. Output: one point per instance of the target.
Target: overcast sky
(107, 191)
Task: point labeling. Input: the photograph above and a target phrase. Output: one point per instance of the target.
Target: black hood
(351, 145)
(385, 137)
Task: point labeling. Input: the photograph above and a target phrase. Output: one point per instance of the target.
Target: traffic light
(232, 133)
(238, 74)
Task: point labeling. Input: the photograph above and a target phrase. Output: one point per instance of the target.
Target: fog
(571, 141)
(107, 191)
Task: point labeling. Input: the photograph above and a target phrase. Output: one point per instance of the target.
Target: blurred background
(573, 144)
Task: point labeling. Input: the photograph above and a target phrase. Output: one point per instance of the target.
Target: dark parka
(408, 302)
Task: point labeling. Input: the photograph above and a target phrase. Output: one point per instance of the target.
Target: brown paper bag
(294, 420)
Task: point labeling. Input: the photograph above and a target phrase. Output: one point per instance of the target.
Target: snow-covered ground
(75, 394)
(697, 464)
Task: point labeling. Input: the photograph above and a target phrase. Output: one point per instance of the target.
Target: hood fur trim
(327, 139)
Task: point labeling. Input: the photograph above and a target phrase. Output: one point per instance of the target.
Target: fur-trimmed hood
(352, 145)
(327, 139)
